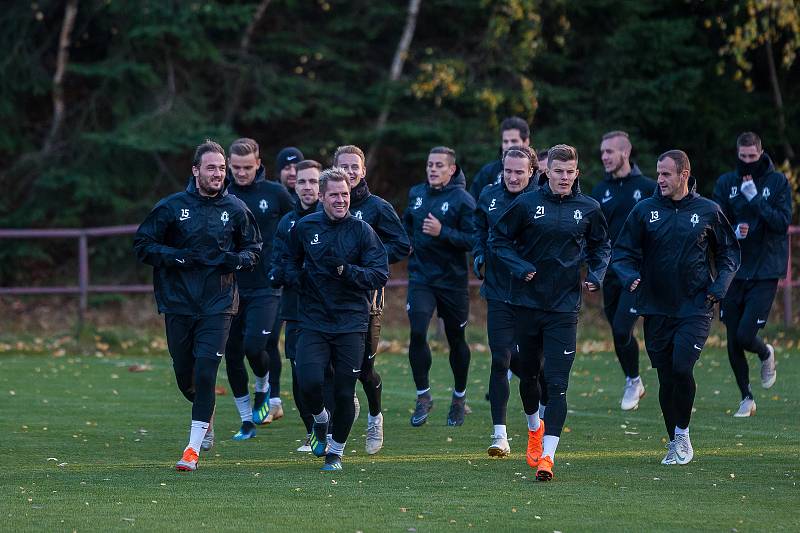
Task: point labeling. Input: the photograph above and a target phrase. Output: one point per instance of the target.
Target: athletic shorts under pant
(315, 352)
(452, 306)
(674, 346)
(197, 345)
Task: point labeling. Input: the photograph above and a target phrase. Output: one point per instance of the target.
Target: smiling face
(353, 166)
(244, 168)
(517, 173)
(336, 199)
(561, 175)
(307, 186)
(210, 175)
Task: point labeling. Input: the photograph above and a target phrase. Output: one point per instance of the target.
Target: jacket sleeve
(148, 243)
(463, 236)
(293, 258)
(720, 196)
(373, 270)
(280, 248)
(727, 256)
(598, 248)
(626, 257)
(392, 234)
(502, 237)
(775, 211)
(248, 241)
(481, 223)
(285, 201)
(408, 222)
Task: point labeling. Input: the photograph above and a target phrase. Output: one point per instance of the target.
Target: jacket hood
(635, 172)
(261, 175)
(458, 181)
(533, 184)
(545, 184)
(692, 190)
(757, 169)
(359, 193)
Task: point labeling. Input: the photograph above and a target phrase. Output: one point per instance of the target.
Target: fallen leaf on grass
(220, 390)
(139, 368)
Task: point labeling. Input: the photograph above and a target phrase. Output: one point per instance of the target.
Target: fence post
(83, 276)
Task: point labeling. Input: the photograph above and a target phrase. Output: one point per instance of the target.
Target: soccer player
(286, 168)
(381, 216)
(757, 200)
(307, 188)
(678, 254)
(514, 131)
(195, 241)
(439, 221)
(544, 238)
(253, 326)
(622, 187)
(499, 287)
(338, 262)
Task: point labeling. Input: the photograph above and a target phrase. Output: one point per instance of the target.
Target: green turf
(85, 444)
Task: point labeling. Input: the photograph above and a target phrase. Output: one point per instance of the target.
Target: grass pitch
(86, 444)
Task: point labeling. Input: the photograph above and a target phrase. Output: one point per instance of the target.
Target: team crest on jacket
(578, 216)
(734, 192)
(358, 215)
(765, 193)
(224, 218)
(607, 196)
(445, 207)
(695, 219)
(653, 216)
(418, 202)
(263, 205)
(637, 195)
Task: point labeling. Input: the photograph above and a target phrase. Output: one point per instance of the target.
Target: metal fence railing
(84, 286)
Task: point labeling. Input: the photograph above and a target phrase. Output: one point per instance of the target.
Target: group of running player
(236, 254)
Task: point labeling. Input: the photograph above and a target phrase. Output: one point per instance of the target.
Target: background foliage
(145, 81)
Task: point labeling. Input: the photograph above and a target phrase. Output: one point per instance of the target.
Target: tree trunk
(395, 72)
(778, 100)
(244, 47)
(62, 59)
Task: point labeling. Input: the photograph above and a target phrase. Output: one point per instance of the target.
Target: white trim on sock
(336, 447)
(533, 421)
(196, 433)
(549, 445)
(679, 431)
(262, 383)
(243, 405)
(421, 392)
(322, 418)
(500, 431)
(542, 409)
(460, 394)
(275, 401)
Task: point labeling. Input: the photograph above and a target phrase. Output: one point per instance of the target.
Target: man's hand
(335, 265)
(591, 287)
(711, 300)
(477, 265)
(635, 284)
(431, 226)
(748, 188)
(741, 230)
(276, 278)
(185, 259)
(529, 276)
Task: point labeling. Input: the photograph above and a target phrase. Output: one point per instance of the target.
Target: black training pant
(744, 311)
(452, 306)
(546, 340)
(316, 351)
(619, 306)
(250, 331)
(290, 348)
(674, 346)
(501, 325)
(196, 345)
(274, 355)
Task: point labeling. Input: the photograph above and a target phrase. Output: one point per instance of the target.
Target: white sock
(336, 447)
(541, 411)
(374, 419)
(500, 431)
(243, 405)
(262, 384)
(321, 418)
(679, 431)
(421, 392)
(275, 401)
(510, 375)
(196, 434)
(549, 445)
(534, 421)
(460, 394)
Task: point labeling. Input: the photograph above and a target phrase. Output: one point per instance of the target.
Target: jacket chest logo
(445, 207)
(492, 205)
(224, 218)
(418, 202)
(358, 215)
(607, 196)
(315, 240)
(694, 220)
(765, 193)
(578, 216)
(539, 212)
(184, 215)
(263, 205)
(734, 192)
(637, 195)
(498, 178)
(653, 216)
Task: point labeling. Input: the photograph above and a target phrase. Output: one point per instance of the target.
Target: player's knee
(745, 336)
(501, 360)
(185, 382)
(622, 336)
(205, 373)
(418, 337)
(254, 347)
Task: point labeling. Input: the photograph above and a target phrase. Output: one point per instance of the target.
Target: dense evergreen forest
(103, 101)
